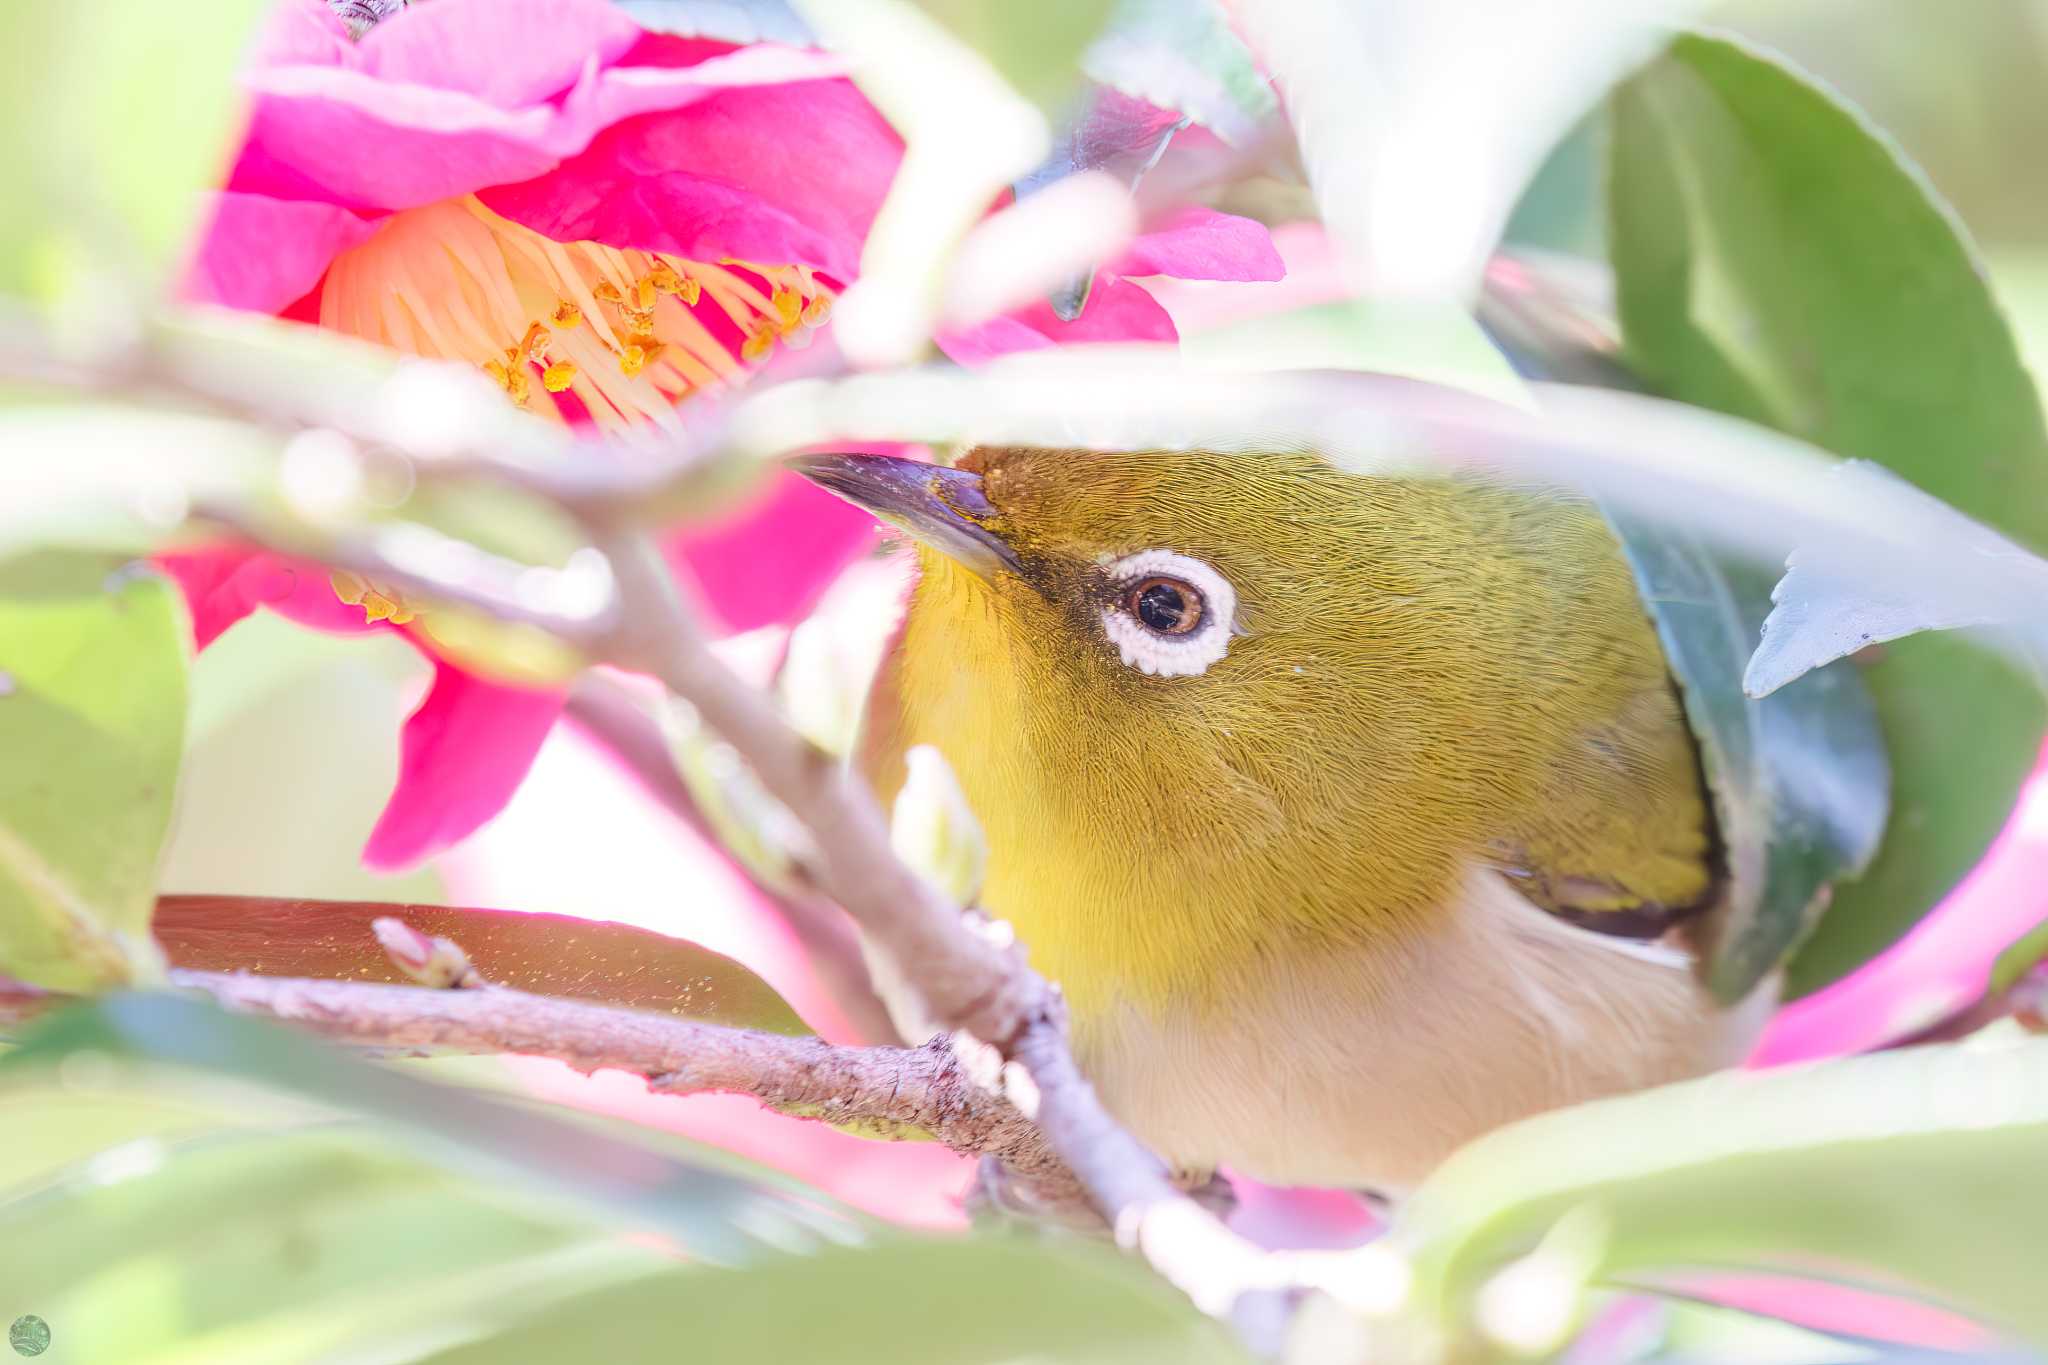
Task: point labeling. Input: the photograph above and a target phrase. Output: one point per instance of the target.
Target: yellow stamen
(534, 346)
(519, 386)
(567, 315)
(788, 308)
(760, 342)
(632, 360)
(558, 376)
(643, 295)
(496, 370)
(817, 310)
(607, 292)
(377, 604)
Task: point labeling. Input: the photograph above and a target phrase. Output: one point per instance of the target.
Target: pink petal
(261, 253)
(1196, 243)
(1942, 964)
(224, 584)
(788, 173)
(511, 53)
(346, 136)
(301, 31)
(770, 563)
(1117, 310)
(465, 751)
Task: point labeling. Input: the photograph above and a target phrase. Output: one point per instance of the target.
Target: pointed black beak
(943, 508)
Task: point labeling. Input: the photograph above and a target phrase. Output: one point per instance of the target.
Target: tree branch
(887, 1091)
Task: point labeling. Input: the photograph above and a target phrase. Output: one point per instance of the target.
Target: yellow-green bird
(1354, 815)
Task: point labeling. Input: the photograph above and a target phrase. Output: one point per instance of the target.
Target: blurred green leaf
(1183, 55)
(116, 478)
(1914, 1172)
(1779, 260)
(939, 1301)
(1036, 47)
(714, 1215)
(133, 105)
(1798, 779)
(2020, 957)
(92, 717)
(1417, 339)
(577, 959)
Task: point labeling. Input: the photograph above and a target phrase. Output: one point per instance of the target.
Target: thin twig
(886, 1091)
(830, 940)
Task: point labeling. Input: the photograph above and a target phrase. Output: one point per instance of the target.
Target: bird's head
(1234, 686)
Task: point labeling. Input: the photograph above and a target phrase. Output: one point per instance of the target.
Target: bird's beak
(944, 508)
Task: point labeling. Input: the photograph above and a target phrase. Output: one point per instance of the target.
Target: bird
(1354, 814)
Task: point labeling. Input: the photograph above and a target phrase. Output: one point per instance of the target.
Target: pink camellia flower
(607, 222)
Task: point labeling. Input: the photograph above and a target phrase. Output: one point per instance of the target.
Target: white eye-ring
(1172, 616)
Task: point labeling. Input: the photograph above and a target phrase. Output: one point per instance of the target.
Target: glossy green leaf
(1914, 1172)
(92, 718)
(715, 1215)
(132, 106)
(1778, 259)
(597, 960)
(953, 1301)
(1798, 779)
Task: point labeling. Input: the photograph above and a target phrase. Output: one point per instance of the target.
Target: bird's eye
(1169, 614)
(1165, 605)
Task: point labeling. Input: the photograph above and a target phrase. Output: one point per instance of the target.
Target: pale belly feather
(1366, 1067)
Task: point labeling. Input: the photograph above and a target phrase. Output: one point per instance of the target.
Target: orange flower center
(629, 334)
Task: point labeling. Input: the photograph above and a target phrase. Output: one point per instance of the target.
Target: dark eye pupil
(1163, 607)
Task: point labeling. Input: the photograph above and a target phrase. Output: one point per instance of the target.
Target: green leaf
(170, 1224)
(1778, 259)
(1913, 1172)
(613, 964)
(937, 1301)
(715, 1215)
(1798, 778)
(1036, 47)
(2020, 957)
(92, 718)
(1183, 55)
(133, 105)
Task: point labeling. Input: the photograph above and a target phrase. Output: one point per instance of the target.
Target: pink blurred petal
(769, 563)
(342, 134)
(724, 177)
(1941, 964)
(510, 53)
(224, 584)
(261, 253)
(991, 340)
(1197, 243)
(1823, 1306)
(464, 752)
(1117, 310)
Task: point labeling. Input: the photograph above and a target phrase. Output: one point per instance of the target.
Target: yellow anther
(534, 345)
(817, 310)
(664, 278)
(760, 342)
(558, 376)
(378, 607)
(519, 386)
(692, 290)
(632, 360)
(497, 371)
(607, 292)
(636, 321)
(643, 295)
(567, 315)
(350, 588)
(789, 307)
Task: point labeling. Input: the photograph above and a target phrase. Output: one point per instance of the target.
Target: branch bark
(887, 1091)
